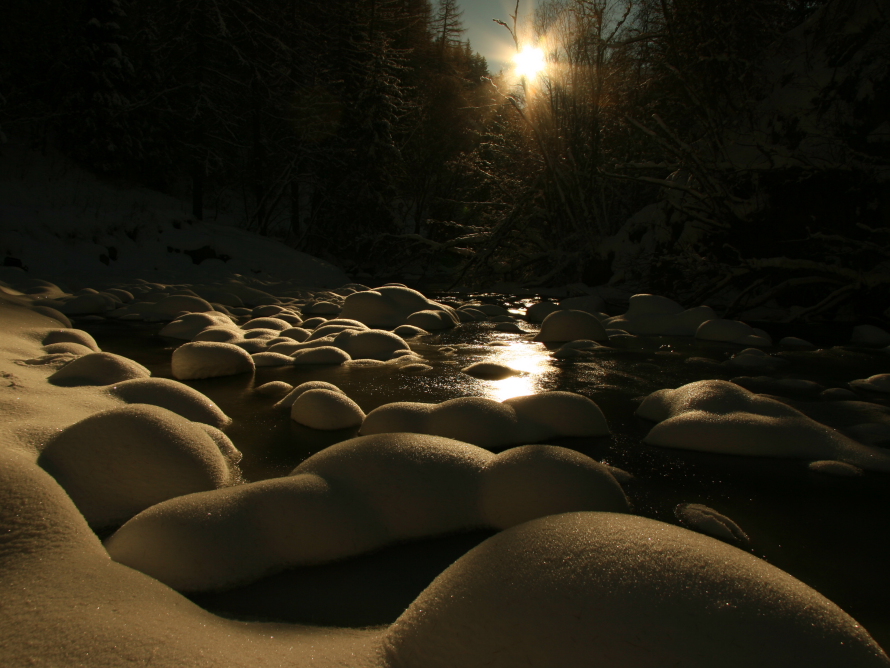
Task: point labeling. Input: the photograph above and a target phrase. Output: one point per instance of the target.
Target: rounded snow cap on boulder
(190, 325)
(118, 462)
(571, 325)
(531, 481)
(321, 355)
(386, 307)
(295, 392)
(219, 334)
(169, 308)
(267, 322)
(654, 315)
(732, 331)
(209, 359)
(605, 589)
(174, 396)
(375, 344)
(72, 336)
(490, 424)
(98, 369)
(490, 370)
(326, 409)
(432, 320)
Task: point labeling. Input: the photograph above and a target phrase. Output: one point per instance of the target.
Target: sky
(487, 37)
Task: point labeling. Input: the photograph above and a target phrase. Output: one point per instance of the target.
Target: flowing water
(828, 531)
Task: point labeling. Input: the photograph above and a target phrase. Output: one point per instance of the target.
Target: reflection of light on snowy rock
(174, 396)
(603, 589)
(719, 416)
(118, 462)
(571, 325)
(326, 409)
(708, 521)
(431, 320)
(98, 369)
(209, 359)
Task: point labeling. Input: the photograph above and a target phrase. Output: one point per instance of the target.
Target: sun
(530, 62)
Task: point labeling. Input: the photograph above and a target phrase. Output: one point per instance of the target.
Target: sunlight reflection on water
(532, 359)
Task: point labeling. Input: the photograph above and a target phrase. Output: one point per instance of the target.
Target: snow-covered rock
(490, 370)
(210, 359)
(732, 331)
(706, 520)
(388, 307)
(654, 315)
(719, 416)
(490, 424)
(604, 589)
(174, 396)
(326, 409)
(116, 463)
(569, 326)
(321, 355)
(527, 482)
(98, 369)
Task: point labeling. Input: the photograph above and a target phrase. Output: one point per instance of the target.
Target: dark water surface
(830, 532)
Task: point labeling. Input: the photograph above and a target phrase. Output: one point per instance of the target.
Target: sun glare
(530, 62)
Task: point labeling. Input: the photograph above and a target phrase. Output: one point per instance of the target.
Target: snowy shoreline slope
(62, 224)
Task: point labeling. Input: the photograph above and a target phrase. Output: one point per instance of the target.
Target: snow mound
(275, 388)
(509, 327)
(98, 369)
(326, 409)
(732, 331)
(706, 520)
(275, 324)
(210, 359)
(68, 347)
(719, 416)
(321, 355)
(174, 396)
(527, 482)
(295, 392)
(267, 358)
(835, 468)
(72, 336)
(490, 424)
(388, 307)
(431, 320)
(490, 370)
(604, 589)
(190, 325)
(878, 383)
(569, 326)
(169, 308)
(537, 312)
(118, 462)
(409, 331)
(653, 315)
(375, 344)
(871, 336)
(219, 334)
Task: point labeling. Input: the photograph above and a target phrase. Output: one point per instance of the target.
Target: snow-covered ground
(562, 431)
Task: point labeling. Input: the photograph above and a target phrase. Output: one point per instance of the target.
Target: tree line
(370, 132)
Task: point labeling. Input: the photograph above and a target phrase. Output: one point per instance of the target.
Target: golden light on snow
(530, 62)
